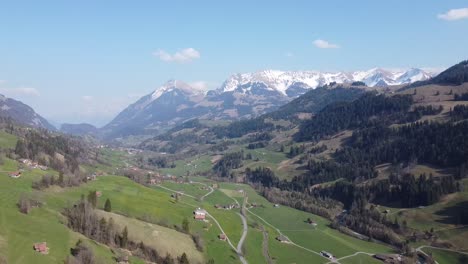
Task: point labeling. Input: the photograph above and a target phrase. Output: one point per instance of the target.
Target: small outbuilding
(222, 237)
(15, 174)
(282, 239)
(41, 247)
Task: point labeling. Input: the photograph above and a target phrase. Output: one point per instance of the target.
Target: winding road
(238, 250)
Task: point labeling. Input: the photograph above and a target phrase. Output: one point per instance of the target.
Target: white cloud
(454, 14)
(323, 44)
(87, 98)
(21, 91)
(181, 56)
(200, 85)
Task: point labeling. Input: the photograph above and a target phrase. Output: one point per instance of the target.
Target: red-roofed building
(199, 214)
(15, 174)
(41, 248)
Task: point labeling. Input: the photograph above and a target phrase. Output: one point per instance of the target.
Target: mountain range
(240, 96)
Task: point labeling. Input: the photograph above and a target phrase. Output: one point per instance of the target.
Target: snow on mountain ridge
(282, 80)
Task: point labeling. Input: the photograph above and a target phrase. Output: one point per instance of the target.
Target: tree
(211, 261)
(108, 206)
(183, 259)
(92, 198)
(186, 225)
(124, 238)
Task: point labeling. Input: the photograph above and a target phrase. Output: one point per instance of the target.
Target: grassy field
(197, 165)
(166, 240)
(293, 224)
(18, 231)
(156, 205)
(7, 140)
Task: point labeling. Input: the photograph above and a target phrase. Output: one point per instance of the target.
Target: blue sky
(84, 61)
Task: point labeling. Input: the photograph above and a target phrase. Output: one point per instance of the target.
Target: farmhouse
(199, 214)
(15, 174)
(282, 239)
(276, 205)
(41, 247)
(98, 194)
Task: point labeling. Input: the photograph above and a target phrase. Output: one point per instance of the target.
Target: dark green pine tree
(108, 206)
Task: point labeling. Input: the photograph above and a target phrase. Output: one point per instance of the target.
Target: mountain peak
(172, 85)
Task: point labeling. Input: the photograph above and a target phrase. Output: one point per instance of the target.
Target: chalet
(282, 239)
(91, 177)
(41, 248)
(240, 191)
(326, 254)
(222, 237)
(218, 206)
(15, 174)
(98, 194)
(214, 185)
(199, 214)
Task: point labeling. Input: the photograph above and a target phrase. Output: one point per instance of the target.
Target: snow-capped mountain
(282, 81)
(240, 96)
(172, 102)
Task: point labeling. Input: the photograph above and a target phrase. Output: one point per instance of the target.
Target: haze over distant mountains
(240, 96)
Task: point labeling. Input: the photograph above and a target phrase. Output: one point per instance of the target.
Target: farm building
(311, 222)
(98, 194)
(326, 254)
(41, 247)
(15, 174)
(276, 205)
(199, 214)
(222, 237)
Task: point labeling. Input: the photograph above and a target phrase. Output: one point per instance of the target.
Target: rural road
(245, 228)
(238, 250)
(210, 192)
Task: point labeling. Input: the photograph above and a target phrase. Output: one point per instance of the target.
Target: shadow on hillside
(456, 214)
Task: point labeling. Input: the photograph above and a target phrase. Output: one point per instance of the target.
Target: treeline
(315, 100)
(35, 143)
(240, 128)
(363, 112)
(443, 144)
(459, 112)
(461, 97)
(228, 162)
(83, 218)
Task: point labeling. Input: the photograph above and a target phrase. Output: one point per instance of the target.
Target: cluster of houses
(156, 178)
(32, 164)
(41, 247)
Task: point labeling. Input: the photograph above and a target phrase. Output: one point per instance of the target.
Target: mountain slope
(22, 113)
(455, 75)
